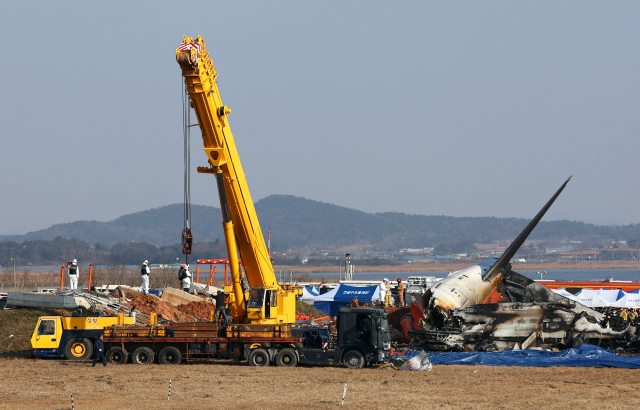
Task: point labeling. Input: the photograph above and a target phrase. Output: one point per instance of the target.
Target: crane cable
(187, 236)
(186, 130)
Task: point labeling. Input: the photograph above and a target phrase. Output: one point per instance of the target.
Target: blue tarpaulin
(582, 356)
(342, 295)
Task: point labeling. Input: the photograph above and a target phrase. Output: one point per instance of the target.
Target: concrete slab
(41, 300)
(177, 297)
(123, 291)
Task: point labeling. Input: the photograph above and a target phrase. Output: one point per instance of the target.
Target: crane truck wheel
(170, 355)
(286, 358)
(142, 355)
(117, 355)
(353, 360)
(78, 349)
(258, 357)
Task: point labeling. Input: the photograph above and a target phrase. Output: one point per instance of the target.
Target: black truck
(363, 338)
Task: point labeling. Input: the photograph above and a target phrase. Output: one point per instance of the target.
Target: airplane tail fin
(517, 243)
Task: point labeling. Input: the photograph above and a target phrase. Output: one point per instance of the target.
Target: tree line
(61, 250)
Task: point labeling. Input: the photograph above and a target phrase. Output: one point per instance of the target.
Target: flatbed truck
(363, 338)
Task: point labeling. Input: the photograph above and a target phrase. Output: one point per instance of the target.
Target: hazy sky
(456, 108)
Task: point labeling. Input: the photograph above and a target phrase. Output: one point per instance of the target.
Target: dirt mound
(201, 310)
(182, 313)
(150, 304)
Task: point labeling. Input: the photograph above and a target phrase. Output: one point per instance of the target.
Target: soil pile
(182, 313)
(149, 304)
(201, 310)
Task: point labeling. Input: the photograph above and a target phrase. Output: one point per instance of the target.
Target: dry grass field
(48, 384)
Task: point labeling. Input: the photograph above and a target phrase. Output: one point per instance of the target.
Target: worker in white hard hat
(73, 272)
(186, 279)
(383, 290)
(144, 272)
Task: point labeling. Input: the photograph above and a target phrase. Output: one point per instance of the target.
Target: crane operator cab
(269, 304)
(262, 304)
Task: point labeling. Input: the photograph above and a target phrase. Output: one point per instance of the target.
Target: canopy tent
(563, 292)
(585, 298)
(629, 300)
(342, 295)
(309, 294)
(598, 301)
(610, 295)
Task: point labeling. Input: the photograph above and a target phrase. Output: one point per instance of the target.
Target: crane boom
(240, 220)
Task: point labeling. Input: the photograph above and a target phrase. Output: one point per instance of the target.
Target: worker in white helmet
(73, 272)
(186, 278)
(144, 272)
(383, 290)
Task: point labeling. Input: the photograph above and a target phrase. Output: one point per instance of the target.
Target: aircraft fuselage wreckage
(489, 307)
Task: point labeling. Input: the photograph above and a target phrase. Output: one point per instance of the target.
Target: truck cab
(363, 339)
(71, 336)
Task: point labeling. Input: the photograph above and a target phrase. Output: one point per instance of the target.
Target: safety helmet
(74, 261)
(386, 279)
(399, 280)
(145, 263)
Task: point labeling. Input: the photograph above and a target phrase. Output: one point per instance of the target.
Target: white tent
(563, 292)
(585, 297)
(610, 295)
(309, 294)
(598, 301)
(629, 300)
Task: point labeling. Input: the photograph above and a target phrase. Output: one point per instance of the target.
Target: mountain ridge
(301, 222)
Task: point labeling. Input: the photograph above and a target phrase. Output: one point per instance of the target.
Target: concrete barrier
(177, 297)
(41, 300)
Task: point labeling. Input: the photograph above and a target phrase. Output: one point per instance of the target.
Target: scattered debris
(417, 362)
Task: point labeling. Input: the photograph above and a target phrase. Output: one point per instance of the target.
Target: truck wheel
(286, 358)
(258, 357)
(170, 355)
(117, 355)
(78, 349)
(142, 355)
(353, 360)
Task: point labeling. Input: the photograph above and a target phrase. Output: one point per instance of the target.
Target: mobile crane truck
(256, 325)
(71, 336)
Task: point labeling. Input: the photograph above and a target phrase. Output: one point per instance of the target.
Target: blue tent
(342, 295)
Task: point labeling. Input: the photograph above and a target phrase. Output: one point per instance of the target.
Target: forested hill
(300, 222)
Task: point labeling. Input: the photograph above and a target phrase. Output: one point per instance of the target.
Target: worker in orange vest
(400, 293)
(388, 300)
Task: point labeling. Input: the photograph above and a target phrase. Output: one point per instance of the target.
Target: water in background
(569, 275)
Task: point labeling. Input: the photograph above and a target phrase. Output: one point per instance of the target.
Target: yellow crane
(267, 301)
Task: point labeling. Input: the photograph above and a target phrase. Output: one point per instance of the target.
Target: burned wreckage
(490, 307)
